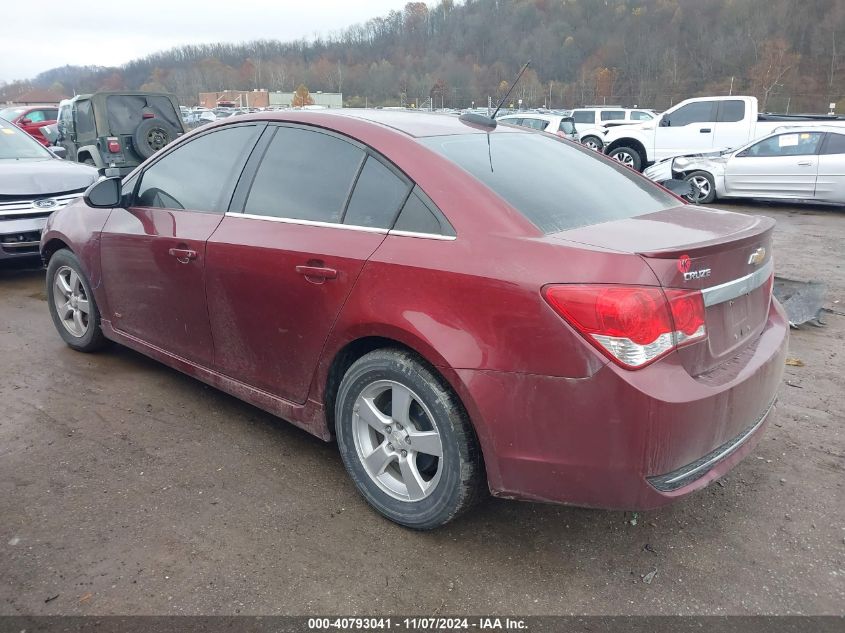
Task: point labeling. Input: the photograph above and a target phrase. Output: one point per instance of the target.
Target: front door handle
(805, 163)
(183, 255)
(706, 130)
(317, 274)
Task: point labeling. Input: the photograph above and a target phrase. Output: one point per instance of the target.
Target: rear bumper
(621, 439)
(20, 237)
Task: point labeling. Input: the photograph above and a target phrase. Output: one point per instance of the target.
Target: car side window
(36, 116)
(65, 122)
(731, 111)
(613, 115)
(199, 175)
(792, 144)
(639, 115)
(304, 175)
(835, 144)
(697, 112)
(420, 215)
(84, 119)
(378, 194)
(584, 116)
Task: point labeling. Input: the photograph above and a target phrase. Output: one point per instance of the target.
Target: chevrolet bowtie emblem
(757, 257)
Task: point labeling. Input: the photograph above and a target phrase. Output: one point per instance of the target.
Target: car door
(279, 271)
(153, 252)
(780, 166)
(830, 182)
(687, 130)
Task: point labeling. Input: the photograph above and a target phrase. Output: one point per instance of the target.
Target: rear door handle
(317, 272)
(706, 130)
(184, 255)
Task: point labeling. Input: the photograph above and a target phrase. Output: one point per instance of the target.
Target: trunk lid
(726, 255)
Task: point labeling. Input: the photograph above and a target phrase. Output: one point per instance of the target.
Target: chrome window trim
(428, 236)
(331, 225)
(738, 287)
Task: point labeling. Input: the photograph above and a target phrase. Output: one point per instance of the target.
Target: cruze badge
(757, 257)
(684, 267)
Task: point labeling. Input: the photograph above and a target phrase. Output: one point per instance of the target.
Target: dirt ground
(128, 488)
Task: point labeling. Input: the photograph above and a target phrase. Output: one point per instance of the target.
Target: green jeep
(117, 130)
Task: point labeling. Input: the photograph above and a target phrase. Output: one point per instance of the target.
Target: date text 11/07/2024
(417, 624)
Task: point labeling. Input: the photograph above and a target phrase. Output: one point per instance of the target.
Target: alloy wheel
(71, 301)
(625, 158)
(701, 189)
(397, 440)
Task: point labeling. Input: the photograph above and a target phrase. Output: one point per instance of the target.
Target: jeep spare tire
(151, 135)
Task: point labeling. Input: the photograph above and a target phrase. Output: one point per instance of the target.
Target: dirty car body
(609, 346)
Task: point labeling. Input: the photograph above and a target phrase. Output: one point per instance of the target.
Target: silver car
(793, 163)
(560, 125)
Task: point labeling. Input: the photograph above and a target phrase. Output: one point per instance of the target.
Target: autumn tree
(302, 97)
(776, 62)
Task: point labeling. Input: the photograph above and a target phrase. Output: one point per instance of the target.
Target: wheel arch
(50, 248)
(633, 144)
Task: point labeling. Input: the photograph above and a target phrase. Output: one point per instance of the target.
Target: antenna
(479, 120)
(508, 93)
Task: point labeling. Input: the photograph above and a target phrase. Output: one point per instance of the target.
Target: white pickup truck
(699, 125)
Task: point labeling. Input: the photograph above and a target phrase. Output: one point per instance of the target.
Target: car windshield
(18, 145)
(556, 185)
(10, 113)
(125, 112)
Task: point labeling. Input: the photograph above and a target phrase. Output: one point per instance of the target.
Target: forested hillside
(789, 53)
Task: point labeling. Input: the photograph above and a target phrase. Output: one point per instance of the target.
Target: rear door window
(835, 144)
(613, 115)
(420, 215)
(640, 115)
(199, 175)
(731, 111)
(584, 116)
(525, 171)
(379, 192)
(305, 175)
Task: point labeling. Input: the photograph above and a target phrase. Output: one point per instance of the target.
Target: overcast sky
(85, 32)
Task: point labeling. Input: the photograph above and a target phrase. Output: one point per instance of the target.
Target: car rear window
(125, 112)
(556, 185)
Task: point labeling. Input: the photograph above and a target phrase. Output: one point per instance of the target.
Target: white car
(557, 124)
(592, 122)
(793, 163)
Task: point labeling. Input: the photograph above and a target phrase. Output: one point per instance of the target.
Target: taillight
(114, 145)
(632, 325)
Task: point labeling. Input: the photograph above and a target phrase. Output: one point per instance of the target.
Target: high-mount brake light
(632, 325)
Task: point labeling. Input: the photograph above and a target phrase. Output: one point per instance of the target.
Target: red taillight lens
(632, 325)
(114, 145)
(148, 115)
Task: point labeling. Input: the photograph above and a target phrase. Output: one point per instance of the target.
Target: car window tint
(200, 174)
(36, 116)
(835, 144)
(566, 126)
(304, 175)
(639, 115)
(377, 197)
(731, 111)
(584, 116)
(613, 115)
(419, 215)
(51, 114)
(697, 112)
(537, 124)
(791, 144)
(84, 119)
(525, 170)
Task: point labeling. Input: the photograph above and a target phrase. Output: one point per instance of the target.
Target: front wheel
(592, 142)
(628, 157)
(703, 187)
(72, 305)
(405, 440)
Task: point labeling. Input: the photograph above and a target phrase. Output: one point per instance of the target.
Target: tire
(67, 290)
(704, 187)
(628, 157)
(152, 135)
(402, 481)
(593, 143)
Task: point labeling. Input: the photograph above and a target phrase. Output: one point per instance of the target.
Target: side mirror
(58, 150)
(665, 122)
(104, 194)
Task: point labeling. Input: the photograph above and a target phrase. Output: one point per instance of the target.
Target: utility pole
(731, 91)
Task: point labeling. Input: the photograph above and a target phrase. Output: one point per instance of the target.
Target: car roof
(414, 124)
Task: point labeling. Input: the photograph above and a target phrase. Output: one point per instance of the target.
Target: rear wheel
(593, 142)
(628, 157)
(72, 305)
(406, 441)
(703, 187)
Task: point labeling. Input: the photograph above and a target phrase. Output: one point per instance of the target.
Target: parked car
(698, 125)
(118, 130)
(591, 122)
(562, 126)
(34, 182)
(440, 298)
(31, 119)
(805, 163)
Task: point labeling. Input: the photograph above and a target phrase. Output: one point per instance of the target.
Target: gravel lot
(128, 488)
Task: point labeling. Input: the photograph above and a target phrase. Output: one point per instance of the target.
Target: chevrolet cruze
(461, 306)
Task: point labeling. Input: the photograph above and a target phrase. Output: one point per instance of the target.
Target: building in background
(325, 99)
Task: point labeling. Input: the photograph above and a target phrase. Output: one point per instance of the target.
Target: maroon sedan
(31, 119)
(460, 307)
